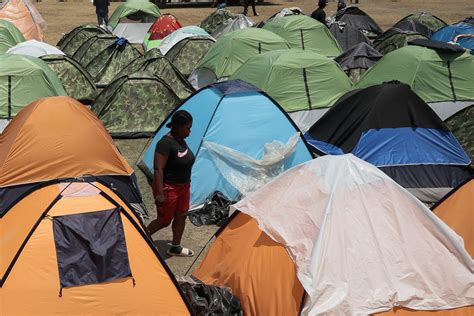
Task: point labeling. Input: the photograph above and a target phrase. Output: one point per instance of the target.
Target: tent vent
(306, 87)
(302, 39)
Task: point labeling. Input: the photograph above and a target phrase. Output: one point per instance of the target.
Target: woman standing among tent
(173, 162)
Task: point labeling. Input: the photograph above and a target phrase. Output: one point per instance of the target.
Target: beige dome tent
(25, 16)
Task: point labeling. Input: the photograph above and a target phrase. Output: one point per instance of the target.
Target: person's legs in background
(252, 2)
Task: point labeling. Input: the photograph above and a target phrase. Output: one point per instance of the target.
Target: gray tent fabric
(233, 24)
(99, 240)
(357, 18)
(348, 36)
(360, 56)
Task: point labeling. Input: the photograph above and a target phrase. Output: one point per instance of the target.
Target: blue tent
(460, 33)
(389, 126)
(233, 136)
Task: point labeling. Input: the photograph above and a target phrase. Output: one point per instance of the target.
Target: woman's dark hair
(180, 117)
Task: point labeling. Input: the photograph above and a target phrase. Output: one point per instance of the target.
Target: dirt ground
(64, 16)
(61, 17)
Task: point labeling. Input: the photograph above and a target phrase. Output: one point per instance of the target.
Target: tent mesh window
(90, 248)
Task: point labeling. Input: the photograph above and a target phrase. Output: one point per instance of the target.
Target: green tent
(24, 79)
(153, 62)
(396, 40)
(9, 36)
(134, 106)
(231, 50)
(75, 79)
(304, 32)
(187, 53)
(462, 126)
(142, 10)
(442, 79)
(216, 19)
(71, 41)
(299, 80)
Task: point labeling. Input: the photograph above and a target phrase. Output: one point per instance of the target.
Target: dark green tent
(462, 126)
(71, 41)
(153, 62)
(75, 79)
(134, 106)
(396, 40)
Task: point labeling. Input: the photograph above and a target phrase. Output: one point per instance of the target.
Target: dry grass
(64, 16)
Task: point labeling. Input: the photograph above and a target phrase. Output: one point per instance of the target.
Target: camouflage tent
(462, 126)
(396, 40)
(134, 106)
(432, 22)
(92, 47)
(405, 25)
(187, 53)
(75, 79)
(215, 19)
(71, 41)
(154, 63)
(104, 56)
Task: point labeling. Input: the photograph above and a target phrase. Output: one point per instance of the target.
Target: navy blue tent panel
(389, 126)
(90, 248)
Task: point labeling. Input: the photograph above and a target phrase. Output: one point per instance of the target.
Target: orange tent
(77, 248)
(25, 16)
(457, 210)
(257, 269)
(262, 274)
(56, 138)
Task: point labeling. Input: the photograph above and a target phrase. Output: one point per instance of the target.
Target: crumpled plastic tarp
(361, 243)
(209, 299)
(245, 173)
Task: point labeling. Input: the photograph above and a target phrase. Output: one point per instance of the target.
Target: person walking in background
(319, 14)
(173, 162)
(102, 11)
(246, 7)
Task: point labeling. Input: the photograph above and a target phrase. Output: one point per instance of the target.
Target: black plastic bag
(209, 299)
(214, 211)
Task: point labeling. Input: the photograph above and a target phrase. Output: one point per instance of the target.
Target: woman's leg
(155, 225)
(179, 222)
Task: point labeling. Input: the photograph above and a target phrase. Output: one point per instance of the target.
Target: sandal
(184, 252)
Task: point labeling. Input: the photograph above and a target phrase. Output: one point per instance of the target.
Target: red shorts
(176, 200)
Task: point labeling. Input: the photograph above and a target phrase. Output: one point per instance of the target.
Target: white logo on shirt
(182, 154)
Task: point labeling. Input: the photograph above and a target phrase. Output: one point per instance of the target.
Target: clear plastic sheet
(245, 173)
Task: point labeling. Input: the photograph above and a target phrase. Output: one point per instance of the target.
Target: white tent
(34, 48)
(361, 243)
(180, 34)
